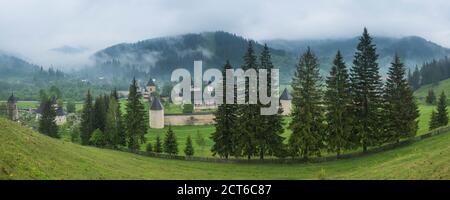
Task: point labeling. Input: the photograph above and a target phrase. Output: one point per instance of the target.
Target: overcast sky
(31, 28)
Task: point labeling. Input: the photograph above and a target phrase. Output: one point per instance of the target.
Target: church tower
(151, 86)
(286, 102)
(11, 108)
(156, 113)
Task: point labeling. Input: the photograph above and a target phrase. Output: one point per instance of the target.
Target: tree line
(102, 123)
(430, 73)
(170, 144)
(350, 109)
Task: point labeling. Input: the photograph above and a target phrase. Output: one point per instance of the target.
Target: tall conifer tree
(113, 124)
(431, 97)
(415, 79)
(433, 123)
(226, 119)
(99, 113)
(338, 103)
(307, 117)
(268, 137)
(158, 145)
(189, 149)
(47, 124)
(170, 142)
(121, 127)
(248, 113)
(366, 88)
(442, 114)
(136, 119)
(86, 126)
(400, 109)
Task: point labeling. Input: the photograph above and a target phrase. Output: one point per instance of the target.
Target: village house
(60, 118)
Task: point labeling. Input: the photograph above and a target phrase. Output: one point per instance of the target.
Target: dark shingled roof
(151, 83)
(60, 111)
(156, 104)
(12, 99)
(39, 110)
(285, 95)
(54, 100)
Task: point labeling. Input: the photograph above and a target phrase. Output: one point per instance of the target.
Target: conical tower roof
(151, 82)
(285, 95)
(156, 104)
(12, 98)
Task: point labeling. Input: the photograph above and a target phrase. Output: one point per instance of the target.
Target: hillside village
(157, 118)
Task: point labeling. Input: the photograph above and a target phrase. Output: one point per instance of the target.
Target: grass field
(29, 155)
(442, 86)
(205, 131)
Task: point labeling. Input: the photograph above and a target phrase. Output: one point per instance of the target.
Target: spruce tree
(113, 124)
(105, 104)
(431, 97)
(114, 94)
(415, 79)
(400, 109)
(149, 147)
(307, 116)
(121, 140)
(409, 77)
(224, 136)
(47, 124)
(366, 88)
(434, 123)
(268, 137)
(71, 107)
(158, 145)
(170, 142)
(442, 114)
(86, 126)
(98, 138)
(248, 114)
(338, 104)
(99, 113)
(136, 119)
(189, 149)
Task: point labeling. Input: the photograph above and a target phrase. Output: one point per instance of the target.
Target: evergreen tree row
(170, 144)
(102, 122)
(353, 109)
(240, 128)
(431, 72)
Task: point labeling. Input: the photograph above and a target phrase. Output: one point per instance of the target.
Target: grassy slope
(444, 85)
(425, 109)
(30, 155)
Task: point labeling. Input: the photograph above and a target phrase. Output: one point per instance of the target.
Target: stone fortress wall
(189, 119)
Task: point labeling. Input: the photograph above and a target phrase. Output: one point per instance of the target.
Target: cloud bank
(32, 28)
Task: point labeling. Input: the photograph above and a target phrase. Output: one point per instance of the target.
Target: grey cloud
(32, 27)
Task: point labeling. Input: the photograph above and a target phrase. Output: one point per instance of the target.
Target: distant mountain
(413, 50)
(12, 67)
(69, 49)
(160, 56)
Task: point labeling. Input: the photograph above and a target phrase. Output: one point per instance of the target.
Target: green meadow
(30, 155)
